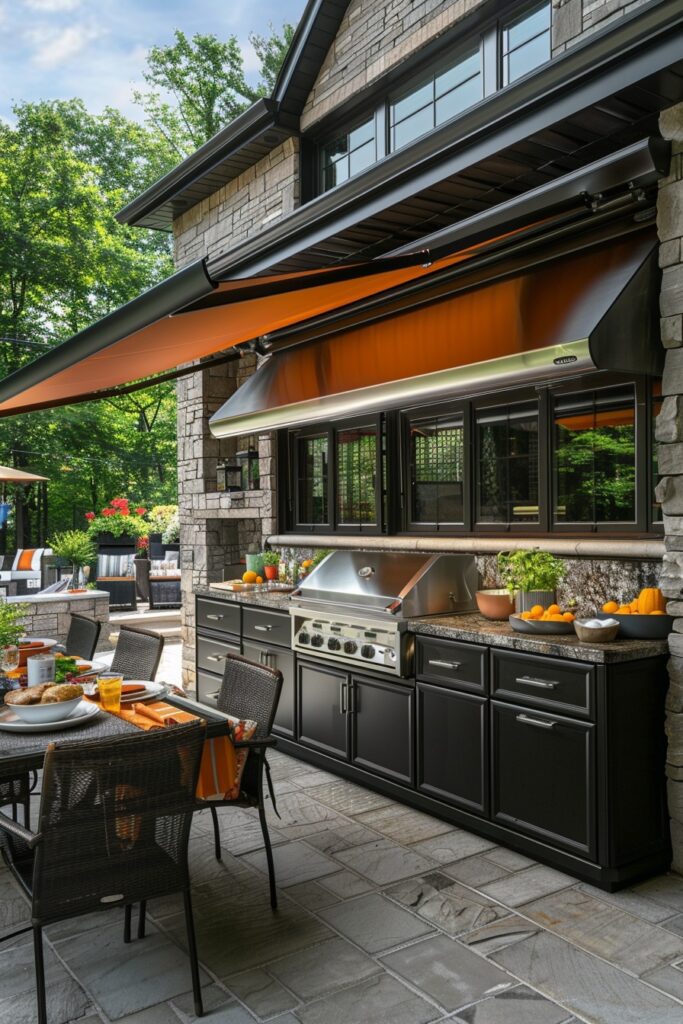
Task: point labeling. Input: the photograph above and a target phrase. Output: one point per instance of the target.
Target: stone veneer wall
(52, 618)
(375, 37)
(669, 432)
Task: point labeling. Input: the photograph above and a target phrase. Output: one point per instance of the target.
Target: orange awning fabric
(170, 326)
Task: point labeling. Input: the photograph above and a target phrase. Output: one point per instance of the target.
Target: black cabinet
(463, 666)
(323, 702)
(382, 728)
(452, 747)
(544, 776)
(278, 658)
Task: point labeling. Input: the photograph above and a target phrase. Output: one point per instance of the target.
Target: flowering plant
(142, 545)
(160, 516)
(171, 532)
(117, 518)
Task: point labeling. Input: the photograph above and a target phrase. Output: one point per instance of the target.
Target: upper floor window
(348, 154)
(445, 93)
(525, 43)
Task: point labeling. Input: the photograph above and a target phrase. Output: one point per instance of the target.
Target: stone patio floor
(386, 915)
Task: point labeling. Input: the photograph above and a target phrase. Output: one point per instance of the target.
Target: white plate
(45, 641)
(153, 691)
(83, 712)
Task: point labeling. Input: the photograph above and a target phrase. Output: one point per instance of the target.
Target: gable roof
(252, 135)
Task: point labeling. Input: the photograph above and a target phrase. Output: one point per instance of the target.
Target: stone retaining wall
(52, 618)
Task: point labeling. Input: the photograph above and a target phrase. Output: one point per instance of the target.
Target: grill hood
(393, 584)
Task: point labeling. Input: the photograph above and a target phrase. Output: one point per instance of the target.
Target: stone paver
(385, 915)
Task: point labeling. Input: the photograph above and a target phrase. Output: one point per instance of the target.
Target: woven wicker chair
(113, 830)
(82, 636)
(138, 653)
(15, 792)
(251, 691)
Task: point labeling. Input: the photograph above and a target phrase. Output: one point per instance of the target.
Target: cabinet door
(322, 700)
(208, 688)
(276, 657)
(452, 747)
(544, 776)
(382, 728)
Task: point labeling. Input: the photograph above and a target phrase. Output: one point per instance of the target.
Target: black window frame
(513, 18)
(434, 412)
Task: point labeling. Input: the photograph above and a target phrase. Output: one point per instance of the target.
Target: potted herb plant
(530, 576)
(271, 564)
(74, 546)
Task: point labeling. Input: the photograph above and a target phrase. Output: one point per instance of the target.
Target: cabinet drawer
(462, 666)
(567, 687)
(211, 654)
(219, 616)
(267, 627)
(207, 689)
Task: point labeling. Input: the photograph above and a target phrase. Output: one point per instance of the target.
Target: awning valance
(592, 309)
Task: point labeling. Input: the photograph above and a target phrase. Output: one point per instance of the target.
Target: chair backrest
(82, 636)
(138, 653)
(250, 691)
(115, 820)
(115, 565)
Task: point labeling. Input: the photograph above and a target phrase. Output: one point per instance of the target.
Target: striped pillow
(115, 565)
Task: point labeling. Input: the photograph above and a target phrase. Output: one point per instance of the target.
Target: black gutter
(184, 287)
(245, 129)
(640, 45)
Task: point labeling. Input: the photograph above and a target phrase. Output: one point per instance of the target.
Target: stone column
(669, 433)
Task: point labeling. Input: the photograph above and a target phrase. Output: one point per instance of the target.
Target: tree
(197, 86)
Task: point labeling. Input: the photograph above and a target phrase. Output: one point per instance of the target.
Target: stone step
(171, 632)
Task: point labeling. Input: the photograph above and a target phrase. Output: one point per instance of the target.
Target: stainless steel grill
(353, 607)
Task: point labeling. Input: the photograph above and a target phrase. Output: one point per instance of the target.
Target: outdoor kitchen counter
(476, 629)
(277, 601)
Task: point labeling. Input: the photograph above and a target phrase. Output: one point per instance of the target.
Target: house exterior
(509, 175)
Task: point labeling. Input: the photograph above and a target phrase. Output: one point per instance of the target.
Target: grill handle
(263, 629)
(542, 684)
(438, 663)
(342, 698)
(539, 723)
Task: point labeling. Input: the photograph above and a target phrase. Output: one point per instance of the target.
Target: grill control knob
(367, 651)
(333, 643)
(350, 647)
(304, 638)
(316, 640)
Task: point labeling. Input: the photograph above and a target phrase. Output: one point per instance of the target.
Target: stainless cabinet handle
(342, 698)
(542, 684)
(214, 618)
(212, 696)
(540, 723)
(444, 664)
(216, 657)
(263, 629)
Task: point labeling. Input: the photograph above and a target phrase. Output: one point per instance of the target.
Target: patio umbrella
(8, 475)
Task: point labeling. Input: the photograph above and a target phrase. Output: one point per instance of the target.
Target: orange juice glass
(109, 684)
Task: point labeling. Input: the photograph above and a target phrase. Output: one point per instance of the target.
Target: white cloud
(52, 49)
(52, 6)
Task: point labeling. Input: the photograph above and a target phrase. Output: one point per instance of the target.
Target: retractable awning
(595, 308)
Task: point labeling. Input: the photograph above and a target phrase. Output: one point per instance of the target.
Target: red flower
(108, 511)
(142, 543)
(140, 511)
(89, 516)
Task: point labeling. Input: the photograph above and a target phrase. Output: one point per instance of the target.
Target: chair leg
(269, 855)
(192, 950)
(141, 919)
(126, 922)
(216, 833)
(40, 973)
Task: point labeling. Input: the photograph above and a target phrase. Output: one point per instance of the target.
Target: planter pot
(108, 540)
(142, 566)
(271, 571)
(255, 564)
(525, 600)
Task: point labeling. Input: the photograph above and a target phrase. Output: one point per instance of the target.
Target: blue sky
(95, 49)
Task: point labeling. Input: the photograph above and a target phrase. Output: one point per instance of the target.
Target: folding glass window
(507, 465)
(594, 457)
(525, 42)
(356, 476)
(312, 465)
(436, 457)
(443, 94)
(349, 154)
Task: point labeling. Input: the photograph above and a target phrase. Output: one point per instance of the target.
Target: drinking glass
(109, 684)
(9, 658)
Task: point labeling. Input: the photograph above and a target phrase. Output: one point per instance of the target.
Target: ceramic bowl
(642, 627)
(595, 634)
(495, 604)
(538, 627)
(38, 714)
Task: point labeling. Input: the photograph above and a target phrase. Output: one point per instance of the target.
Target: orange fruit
(525, 615)
(249, 577)
(556, 617)
(537, 610)
(554, 609)
(568, 616)
(633, 605)
(656, 612)
(259, 579)
(610, 607)
(624, 609)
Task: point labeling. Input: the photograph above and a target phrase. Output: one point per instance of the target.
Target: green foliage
(270, 557)
(11, 623)
(597, 474)
(319, 554)
(530, 570)
(73, 545)
(159, 517)
(197, 86)
(171, 532)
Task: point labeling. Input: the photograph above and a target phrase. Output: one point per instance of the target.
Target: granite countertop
(476, 629)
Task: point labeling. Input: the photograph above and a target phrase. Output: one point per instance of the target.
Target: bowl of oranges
(642, 618)
(543, 620)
